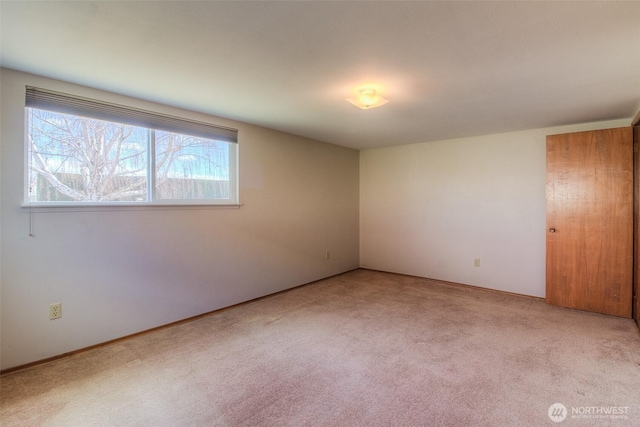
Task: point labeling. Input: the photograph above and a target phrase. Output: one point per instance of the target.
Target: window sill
(97, 207)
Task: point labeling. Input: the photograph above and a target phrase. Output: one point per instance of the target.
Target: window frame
(226, 135)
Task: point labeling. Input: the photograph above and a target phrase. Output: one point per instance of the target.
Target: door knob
(552, 230)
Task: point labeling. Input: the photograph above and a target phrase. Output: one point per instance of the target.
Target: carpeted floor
(360, 349)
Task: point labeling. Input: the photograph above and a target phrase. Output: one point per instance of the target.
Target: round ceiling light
(367, 97)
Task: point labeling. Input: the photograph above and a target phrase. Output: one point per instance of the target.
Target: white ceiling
(449, 69)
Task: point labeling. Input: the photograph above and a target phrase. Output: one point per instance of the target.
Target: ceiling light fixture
(366, 98)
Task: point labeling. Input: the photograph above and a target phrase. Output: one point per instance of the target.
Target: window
(82, 151)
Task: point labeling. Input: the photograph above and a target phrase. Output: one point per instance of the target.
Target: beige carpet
(360, 349)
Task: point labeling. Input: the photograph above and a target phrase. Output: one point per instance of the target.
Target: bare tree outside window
(74, 158)
(190, 168)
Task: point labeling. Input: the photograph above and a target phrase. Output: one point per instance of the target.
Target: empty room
(319, 213)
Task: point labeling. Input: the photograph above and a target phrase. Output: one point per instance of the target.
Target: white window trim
(55, 207)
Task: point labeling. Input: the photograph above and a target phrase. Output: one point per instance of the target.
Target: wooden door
(590, 221)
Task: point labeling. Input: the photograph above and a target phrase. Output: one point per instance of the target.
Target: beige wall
(117, 272)
(430, 209)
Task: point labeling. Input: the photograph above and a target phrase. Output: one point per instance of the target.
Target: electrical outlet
(55, 311)
(476, 262)
(328, 255)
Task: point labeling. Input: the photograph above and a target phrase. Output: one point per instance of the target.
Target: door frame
(636, 219)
